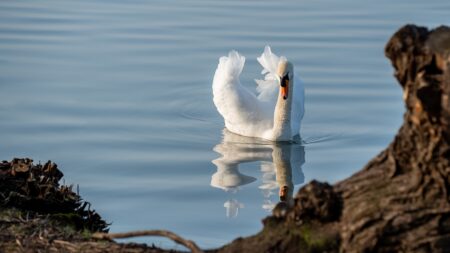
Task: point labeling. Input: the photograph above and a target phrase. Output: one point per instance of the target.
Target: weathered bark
(400, 201)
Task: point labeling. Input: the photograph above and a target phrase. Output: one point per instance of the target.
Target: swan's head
(285, 73)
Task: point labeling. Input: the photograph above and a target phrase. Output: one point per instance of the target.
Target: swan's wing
(298, 108)
(269, 61)
(230, 68)
(240, 108)
(268, 88)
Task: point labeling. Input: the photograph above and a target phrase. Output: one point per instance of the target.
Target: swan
(266, 114)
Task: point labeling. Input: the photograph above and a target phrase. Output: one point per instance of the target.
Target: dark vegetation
(399, 202)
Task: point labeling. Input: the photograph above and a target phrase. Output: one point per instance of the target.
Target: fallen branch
(174, 237)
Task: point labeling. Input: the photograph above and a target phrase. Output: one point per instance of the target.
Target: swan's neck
(282, 117)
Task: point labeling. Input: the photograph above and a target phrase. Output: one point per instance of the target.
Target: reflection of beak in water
(284, 194)
(280, 164)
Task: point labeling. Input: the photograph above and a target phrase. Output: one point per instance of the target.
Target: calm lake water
(118, 94)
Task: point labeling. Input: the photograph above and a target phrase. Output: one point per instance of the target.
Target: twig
(176, 238)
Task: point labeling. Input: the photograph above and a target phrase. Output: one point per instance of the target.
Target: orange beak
(285, 90)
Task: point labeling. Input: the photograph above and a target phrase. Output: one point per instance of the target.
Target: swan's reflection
(280, 166)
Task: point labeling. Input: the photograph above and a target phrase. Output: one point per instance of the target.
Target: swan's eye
(285, 80)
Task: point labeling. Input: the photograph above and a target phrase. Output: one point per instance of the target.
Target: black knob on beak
(284, 80)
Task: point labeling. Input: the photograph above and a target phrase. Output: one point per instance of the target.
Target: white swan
(269, 114)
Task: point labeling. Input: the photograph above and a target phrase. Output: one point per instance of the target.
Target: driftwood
(400, 201)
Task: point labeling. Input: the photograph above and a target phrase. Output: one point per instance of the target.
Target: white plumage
(268, 114)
